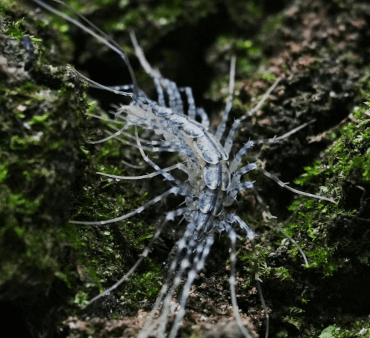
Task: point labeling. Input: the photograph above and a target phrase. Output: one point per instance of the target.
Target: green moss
(81, 299)
(40, 160)
(360, 328)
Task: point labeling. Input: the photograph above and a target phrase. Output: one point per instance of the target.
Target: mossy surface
(41, 108)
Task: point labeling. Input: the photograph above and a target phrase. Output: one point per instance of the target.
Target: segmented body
(213, 183)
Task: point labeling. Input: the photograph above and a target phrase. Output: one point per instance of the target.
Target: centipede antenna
(100, 86)
(104, 39)
(101, 32)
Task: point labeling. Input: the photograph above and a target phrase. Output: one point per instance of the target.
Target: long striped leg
(285, 136)
(286, 186)
(238, 157)
(232, 235)
(203, 117)
(119, 132)
(249, 185)
(160, 92)
(192, 110)
(230, 136)
(179, 104)
(253, 166)
(176, 166)
(173, 190)
(166, 175)
(166, 148)
(273, 220)
(170, 216)
(174, 98)
(191, 103)
(168, 289)
(202, 252)
(221, 128)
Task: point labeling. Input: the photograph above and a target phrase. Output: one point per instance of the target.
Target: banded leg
(230, 136)
(202, 252)
(234, 218)
(203, 117)
(168, 289)
(132, 270)
(232, 235)
(238, 157)
(176, 166)
(286, 186)
(173, 190)
(249, 185)
(170, 216)
(234, 191)
(148, 148)
(238, 174)
(221, 128)
(193, 111)
(178, 100)
(166, 175)
(160, 92)
(272, 218)
(277, 139)
(191, 103)
(119, 132)
(237, 160)
(174, 97)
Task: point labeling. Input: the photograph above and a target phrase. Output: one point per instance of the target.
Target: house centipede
(214, 179)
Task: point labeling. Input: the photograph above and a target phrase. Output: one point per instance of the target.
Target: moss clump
(41, 117)
(334, 237)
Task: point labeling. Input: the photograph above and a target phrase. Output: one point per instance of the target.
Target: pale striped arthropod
(214, 180)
